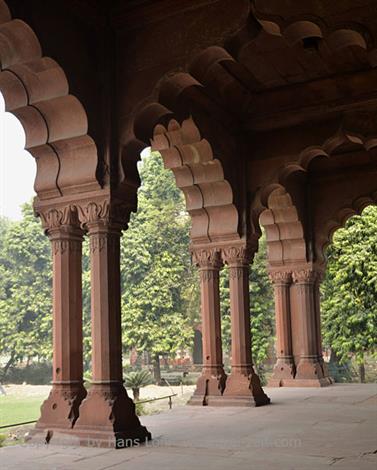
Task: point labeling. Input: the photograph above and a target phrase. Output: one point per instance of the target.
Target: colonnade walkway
(303, 428)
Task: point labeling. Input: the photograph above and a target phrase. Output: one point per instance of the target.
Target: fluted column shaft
(212, 380)
(243, 383)
(211, 326)
(107, 415)
(61, 409)
(240, 314)
(284, 367)
(105, 302)
(308, 366)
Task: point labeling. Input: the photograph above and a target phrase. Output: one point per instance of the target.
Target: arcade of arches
(265, 111)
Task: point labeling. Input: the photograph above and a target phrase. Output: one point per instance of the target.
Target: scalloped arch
(341, 141)
(297, 31)
(35, 90)
(284, 231)
(200, 176)
(274, 209)
(339, 220)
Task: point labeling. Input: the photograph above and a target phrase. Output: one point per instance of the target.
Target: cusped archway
(36, 91)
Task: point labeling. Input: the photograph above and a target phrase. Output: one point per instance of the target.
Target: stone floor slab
(304, 429)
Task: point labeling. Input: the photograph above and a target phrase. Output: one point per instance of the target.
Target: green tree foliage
(349, 291)
(262, 307)
(160, 288)
(25, 290)
(157, 276)
(87, 337)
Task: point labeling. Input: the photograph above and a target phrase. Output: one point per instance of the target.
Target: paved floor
(332, 428)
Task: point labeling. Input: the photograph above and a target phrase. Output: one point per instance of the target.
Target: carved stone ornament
(207, 258)
(280, 277)
(56, 218)
(304, 276)
(115, 215)
(237, 255)
(94, 212)
(208, 275)
(61, 246)
(99, 241)
(237, 272)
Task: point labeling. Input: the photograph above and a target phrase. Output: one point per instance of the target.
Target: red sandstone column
(211, 383)
(243, 386)
(107, 415)
(61, 409)
(284, 368)
(309, 367)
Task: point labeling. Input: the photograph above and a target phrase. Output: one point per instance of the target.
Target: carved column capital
(307, 276)
(54, 218)
(280, 277)
(63, 229)
(207, 258)
(93, 213)
(304, 276)
(102, 214)
(237, 256)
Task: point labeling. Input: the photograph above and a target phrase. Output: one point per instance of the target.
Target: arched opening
(16, 262)
(70, 201)
(215, 239)
(16, 187)
(160, 304)
(310, 199)
(348, 296)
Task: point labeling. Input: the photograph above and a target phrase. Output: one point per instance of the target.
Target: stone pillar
(211, 383)
(243, 387)
(284, 368)
(107, 415)
(61, 409)
(309, 371)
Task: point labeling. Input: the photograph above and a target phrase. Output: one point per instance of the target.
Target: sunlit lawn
(19, 409)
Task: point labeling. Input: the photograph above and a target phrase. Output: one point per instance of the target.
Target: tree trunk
(157, 369)
(7, 366)
(136, 392)
(362, 373)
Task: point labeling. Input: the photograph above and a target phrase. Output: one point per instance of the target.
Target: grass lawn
(19, 409)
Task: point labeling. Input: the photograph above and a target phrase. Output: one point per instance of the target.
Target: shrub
(137, 379)
(34, 374)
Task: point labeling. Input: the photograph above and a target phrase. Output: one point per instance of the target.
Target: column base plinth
(108, 418)
(321, 382)
(309, 369)
(208, 387)
(208, 400)
(61, 408)
(282, 371)
(244, 390)
(309, 374)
